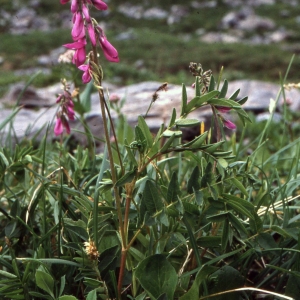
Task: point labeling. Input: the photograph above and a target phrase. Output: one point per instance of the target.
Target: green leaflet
(157, 276)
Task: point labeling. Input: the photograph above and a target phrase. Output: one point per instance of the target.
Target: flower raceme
(66, 112)
(82, 22)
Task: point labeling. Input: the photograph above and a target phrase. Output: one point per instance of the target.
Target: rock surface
(39, 107)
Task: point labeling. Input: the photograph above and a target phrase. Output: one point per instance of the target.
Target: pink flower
(86, 14)
(114, 98)
(74, 6)
(110, 52)
(229, 124)
(79, 55)
(61, 123)
(64, 1)
(223, 109)
(78, 27)
(71, 103)
(91, 32)
(58, 128)
(86, 76)
(70, 112)
(58, 99)
(100, 5)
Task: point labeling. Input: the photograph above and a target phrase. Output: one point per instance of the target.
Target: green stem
(111, 160)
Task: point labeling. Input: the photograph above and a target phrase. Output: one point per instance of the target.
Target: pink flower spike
(86, 76)
(100, 5)
(86, 13)
(64, 1)
(223, 109)
(91, 32)
(78, 26)
(230, 125)
(58, 128)
(109, 50)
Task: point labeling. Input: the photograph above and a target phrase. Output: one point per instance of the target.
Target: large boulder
(39, 108)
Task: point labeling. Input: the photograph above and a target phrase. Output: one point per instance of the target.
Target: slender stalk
(111, 162)
(129, 187)
(115, 137)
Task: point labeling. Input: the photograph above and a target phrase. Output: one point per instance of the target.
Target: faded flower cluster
(66, 112)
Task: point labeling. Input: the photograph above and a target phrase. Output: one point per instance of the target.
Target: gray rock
(278, 35)
(235, 3)
(259, 94)
(30, 97)
(155, 13)
(138, 97)
(131, 11)
(5, 19)
(208, 4)
(31, 71)
(126, 35)
(218, 37)
(23, 19)
(253, 23)
(52, 57)
(177, 12)
(245, 19)
(26, 20)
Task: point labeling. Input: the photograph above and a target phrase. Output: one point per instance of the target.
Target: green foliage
(198, 220)
(154, 216)
(157, 276)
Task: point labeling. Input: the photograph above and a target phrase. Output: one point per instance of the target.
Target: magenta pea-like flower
(110, 52)
(223, 109)
(70, 111)
(86, 76)
(100, 5)
(86, 13)
(74, 6)
(61, 123)
(58, 128)
(79, 47)
(78, 28)
(92, 35)
(228, 124)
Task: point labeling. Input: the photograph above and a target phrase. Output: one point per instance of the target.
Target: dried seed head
(163, 87)
(91, 250)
